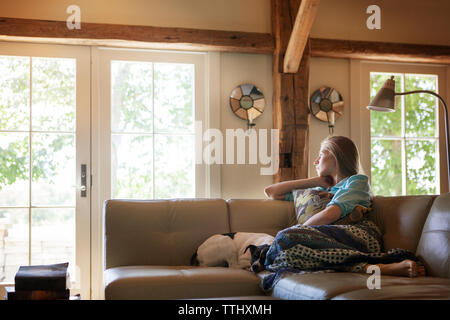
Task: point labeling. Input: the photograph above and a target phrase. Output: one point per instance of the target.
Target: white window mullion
(30, 164)
(404, 166)
(153, 130)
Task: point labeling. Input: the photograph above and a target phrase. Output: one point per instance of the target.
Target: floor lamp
(385, 101)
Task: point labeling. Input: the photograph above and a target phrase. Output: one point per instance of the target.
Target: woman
(337, 167)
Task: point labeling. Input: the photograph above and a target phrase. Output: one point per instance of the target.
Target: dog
(231, 250)
(258, 257)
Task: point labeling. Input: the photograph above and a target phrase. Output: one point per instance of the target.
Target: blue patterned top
(349, 192)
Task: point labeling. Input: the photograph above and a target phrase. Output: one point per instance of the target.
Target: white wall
(245, 181)
(403, 21)
(233, 15)
(333, 73)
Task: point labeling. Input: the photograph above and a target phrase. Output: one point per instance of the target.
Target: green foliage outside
(53, 99)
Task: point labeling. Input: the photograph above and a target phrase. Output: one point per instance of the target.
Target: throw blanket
(328, 248)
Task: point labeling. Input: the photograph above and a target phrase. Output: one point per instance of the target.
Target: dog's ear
(263, 251)
(252, 248)
(194, 260)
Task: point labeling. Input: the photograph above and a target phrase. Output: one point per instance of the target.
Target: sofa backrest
(401, 219)
(265, 216)
(159, 232)
(434, 244)
(168, 232)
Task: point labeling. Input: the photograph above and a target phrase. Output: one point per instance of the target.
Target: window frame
(82, 56)
(360, 116)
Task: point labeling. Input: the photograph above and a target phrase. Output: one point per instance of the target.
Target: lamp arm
(447, 134)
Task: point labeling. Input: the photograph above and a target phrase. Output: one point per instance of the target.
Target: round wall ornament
(326, 104)
(247, 102)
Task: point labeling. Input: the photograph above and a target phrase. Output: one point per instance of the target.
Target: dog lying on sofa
(242, 250)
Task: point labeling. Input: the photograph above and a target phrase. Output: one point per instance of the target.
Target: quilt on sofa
(305, 249)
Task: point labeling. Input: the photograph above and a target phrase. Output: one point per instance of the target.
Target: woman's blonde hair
(345, 152)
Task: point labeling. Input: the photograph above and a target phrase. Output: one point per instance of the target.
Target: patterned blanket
(327, 248)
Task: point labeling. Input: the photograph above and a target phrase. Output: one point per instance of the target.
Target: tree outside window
(405, 143)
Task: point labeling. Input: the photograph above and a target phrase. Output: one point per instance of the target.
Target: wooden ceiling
(130, 36)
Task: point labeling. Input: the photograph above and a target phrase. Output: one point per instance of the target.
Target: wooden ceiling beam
(45, 31)
(381, 51)
(299, 35)
(133, 36)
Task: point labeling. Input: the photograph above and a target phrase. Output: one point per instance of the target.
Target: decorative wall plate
(247, 102)
(326, 104)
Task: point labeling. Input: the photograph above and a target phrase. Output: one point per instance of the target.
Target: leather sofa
(148, 245)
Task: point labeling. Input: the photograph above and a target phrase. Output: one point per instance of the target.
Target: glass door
(45, 160)
(146, 104)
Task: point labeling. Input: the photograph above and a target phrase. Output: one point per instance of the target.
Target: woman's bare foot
(406, 268)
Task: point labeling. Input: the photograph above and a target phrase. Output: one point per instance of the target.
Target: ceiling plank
(299, 36)
(133, 36)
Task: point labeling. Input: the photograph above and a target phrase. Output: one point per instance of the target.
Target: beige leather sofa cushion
(266, 216)
(400, 292)
(178, 282)
(401, 219)
(434, 245)
(160, 232)
(343, 285)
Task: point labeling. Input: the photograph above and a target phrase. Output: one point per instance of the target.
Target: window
(147, 107)
(152, 130)
(405, 143)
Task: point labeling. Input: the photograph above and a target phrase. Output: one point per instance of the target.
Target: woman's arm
(278, 190)
(326, 216)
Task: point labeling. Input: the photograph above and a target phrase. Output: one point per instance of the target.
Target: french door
(80, 125)
(146, 105)
(45, 159)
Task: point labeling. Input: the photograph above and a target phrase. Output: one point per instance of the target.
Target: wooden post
(299, 35)
(290, 96)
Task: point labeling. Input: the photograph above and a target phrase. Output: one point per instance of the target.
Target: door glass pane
(132, 166)
(14, 93)
(421, 108)
(154, 163)
(14, 169)
(174, 166)
(53, 157)
(54, 94)
(131, 96)
(174, 97)
(14, 233)
(385, 123)
(38, 119)
(53, 236)
(386, 168)
(421, 167)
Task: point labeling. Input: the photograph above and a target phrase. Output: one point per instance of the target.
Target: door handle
(83, 187)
